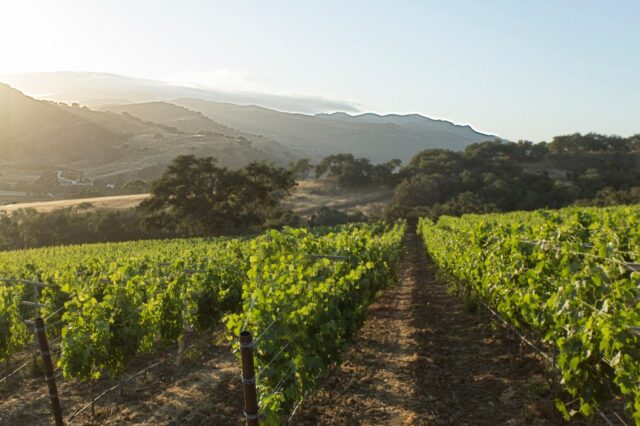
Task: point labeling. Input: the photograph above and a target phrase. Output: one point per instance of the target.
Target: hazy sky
(521, 69)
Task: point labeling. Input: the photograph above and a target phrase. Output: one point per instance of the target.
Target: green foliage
(308, 307)
(27, 228)
(591, 142)
(196, 197)
(563, 276)
(13, 332)
(504, 176)
(612, 197)
(279, 218)
(326, 216)
(349, 171)
(301, 168)
(122, 299)
(136, 186)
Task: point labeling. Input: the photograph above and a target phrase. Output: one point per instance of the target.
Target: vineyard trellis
(551, 359)
(304, 305)
(31, 323)
(118, 301)
(568, 276)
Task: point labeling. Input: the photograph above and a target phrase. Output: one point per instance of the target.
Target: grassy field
(304, 199)
(114, 202)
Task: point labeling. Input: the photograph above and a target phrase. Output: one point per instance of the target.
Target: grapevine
(564, 276)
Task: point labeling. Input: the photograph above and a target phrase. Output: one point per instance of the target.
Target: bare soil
(421, 359)
(205, 389)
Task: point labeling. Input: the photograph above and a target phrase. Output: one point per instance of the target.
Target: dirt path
(421, 359)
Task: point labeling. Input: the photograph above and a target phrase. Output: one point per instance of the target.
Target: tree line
(502, 176)
(197, 197)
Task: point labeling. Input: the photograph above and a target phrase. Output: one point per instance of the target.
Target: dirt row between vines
(205, 389)
(421, 359)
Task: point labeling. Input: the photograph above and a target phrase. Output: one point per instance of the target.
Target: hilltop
(378, 138)
(309, 126)
(39, 136)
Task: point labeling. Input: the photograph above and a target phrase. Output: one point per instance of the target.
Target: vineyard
(302, 293)
(569, 280)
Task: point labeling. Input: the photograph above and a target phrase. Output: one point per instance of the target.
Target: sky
(519, 69)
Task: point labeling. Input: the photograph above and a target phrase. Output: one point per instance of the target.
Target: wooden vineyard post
(248, 379)
(36, 311)
(181, 344)
(554, 368)
(48, 372)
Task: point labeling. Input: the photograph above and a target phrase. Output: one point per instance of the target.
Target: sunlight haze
(319, 213)
(518, 70)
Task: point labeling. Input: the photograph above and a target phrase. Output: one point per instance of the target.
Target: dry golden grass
(304, 199)
(311, 194)
(115, 202)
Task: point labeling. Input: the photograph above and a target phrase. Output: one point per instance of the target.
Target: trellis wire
(263, 369)
(130, 378)
(297, 406)
(546, 356)
(17, 370)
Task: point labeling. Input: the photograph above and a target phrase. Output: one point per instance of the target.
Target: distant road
(115, 202)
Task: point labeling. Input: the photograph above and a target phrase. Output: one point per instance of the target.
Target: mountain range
(122, 126)
(38, 136)
(377, 137)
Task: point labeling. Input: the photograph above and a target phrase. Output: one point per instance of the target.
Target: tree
(196, 197)
(634, 143)
(345, 169)
(349, 171)
(385, 173)
(301, 168)
(136, 186)
(610, 197)
(326, 216)
(504, 176)
(591, 142)
(9, 233)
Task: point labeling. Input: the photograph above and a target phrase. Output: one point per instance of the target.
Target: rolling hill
(38, 136)
(377, 137)
(172, 115)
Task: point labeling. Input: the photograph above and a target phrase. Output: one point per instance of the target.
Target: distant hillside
(376, 137)
(45, 133)
(188, 121)
(37, 136)
(168, 114)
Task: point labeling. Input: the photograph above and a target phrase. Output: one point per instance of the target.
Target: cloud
(240, 86)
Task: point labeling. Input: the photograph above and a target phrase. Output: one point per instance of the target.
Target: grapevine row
(305, 308)
(564, 276)
(122, 300)
(119, 300)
